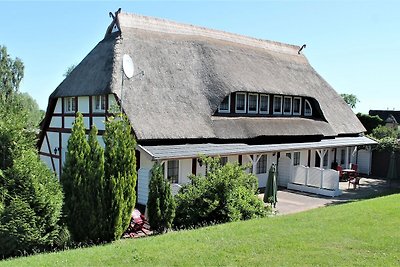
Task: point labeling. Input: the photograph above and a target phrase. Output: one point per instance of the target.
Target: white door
(284, 171)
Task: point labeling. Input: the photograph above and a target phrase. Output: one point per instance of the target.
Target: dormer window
(297, 106)
(287, 105)
(277, 104)
(70, 105)
(253, 103)
(307, 108)
(225, 106)
(264, 104)
(99, 103)
(240, 103)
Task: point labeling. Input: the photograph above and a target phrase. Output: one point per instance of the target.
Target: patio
(290, 201)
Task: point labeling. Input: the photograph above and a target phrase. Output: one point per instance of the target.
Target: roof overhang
(194, 150)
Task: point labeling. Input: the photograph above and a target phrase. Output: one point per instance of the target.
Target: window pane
(224, 106)
(296, 106)
(253, 99)
(287, 105)
(262, 165)
(296, 158)
(240, 102)
(173, 171)
(264, 99)
(223, 161)
(307, 109)
(277, 104)
(103, 102)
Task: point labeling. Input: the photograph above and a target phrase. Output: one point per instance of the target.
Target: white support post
(307, 174)
(347, 158)
(254, 160)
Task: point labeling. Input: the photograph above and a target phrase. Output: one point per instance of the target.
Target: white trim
(273, 106)
(297, 113)
(264, 112)
(248, 104)
(245, 102)
(291, 102)
(305, 105)
(229, 105)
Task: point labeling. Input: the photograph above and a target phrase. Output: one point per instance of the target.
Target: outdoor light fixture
(55, 150)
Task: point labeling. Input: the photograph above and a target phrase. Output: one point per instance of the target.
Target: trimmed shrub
(227, 193)
(161, 203)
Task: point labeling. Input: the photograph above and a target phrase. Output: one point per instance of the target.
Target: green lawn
(364, 233)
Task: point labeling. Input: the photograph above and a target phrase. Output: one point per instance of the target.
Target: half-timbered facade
(201, 91)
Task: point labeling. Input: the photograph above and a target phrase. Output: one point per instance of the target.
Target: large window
(262, 165)
(223, 160)
(225, 106)
(296, 158)
(264, 104)
(307, 109)
(100, 103)
(240, 103)
(277, 104)
(297, 106)
(253, 103)
(287, 105)
(69, 104)
(173, 171)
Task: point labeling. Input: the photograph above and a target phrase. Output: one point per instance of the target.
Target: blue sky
(354, 45)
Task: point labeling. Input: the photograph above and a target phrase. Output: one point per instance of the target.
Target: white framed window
(264, 104)
(287, 105)
(69, 104)
(296, 158)
(277, 104)
(252, 104)
(262, 165)
(99, 103)
(223, 161)
(307, 108)
(240, 106)
(173, 171)
(225, 106)
(297, 106)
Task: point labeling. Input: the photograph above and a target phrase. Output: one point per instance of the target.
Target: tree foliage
(120, 174)
(227, 193)
(350, 99)
(69, 70)
(161, 203)
(370, 122)
(381, 132)
(11, 73)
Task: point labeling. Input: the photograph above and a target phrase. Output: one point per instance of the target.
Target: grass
(363, 233)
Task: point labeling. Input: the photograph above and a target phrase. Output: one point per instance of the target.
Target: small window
(223, 160)
(296, 158)
(264, 104)
(253, 103)
(173, 171)
(240, 103)
(307, 109)
(225, 106)
(277, 104)
(297, 106)
(262, 165)
(342, 156)
(70, 104)
(287, 105)
(99, 103)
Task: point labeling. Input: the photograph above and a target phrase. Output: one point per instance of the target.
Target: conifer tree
(120, 174)
(73, 181)
(95, 185)
(161, 203)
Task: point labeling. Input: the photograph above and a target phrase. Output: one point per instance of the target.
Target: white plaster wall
(44, 148)
(56, 122)
(304, 157)
(68, 122)
(47, 161)
(53, 140)
(185, 169)
(143, 177)
(99, 122)
(200, 170)
(64, 142)
(58, 108)
(233, 158)
(86, 122)
(83, 104)
(364, 161)
(111, 100)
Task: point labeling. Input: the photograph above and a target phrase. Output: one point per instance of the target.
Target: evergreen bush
(161, 203)
(227, 193)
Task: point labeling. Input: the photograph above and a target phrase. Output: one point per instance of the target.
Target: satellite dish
(127, 66)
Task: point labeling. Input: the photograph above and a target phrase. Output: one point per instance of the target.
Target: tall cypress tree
(161, 203)
(97, 215)
(73, 181)
(120, 174)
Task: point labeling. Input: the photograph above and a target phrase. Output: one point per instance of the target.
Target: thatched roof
(188, 72)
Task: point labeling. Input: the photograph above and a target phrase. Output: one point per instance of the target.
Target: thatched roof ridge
(188, 72)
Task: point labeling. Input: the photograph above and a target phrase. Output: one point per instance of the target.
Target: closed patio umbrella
(271, 187)
(392, 171)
